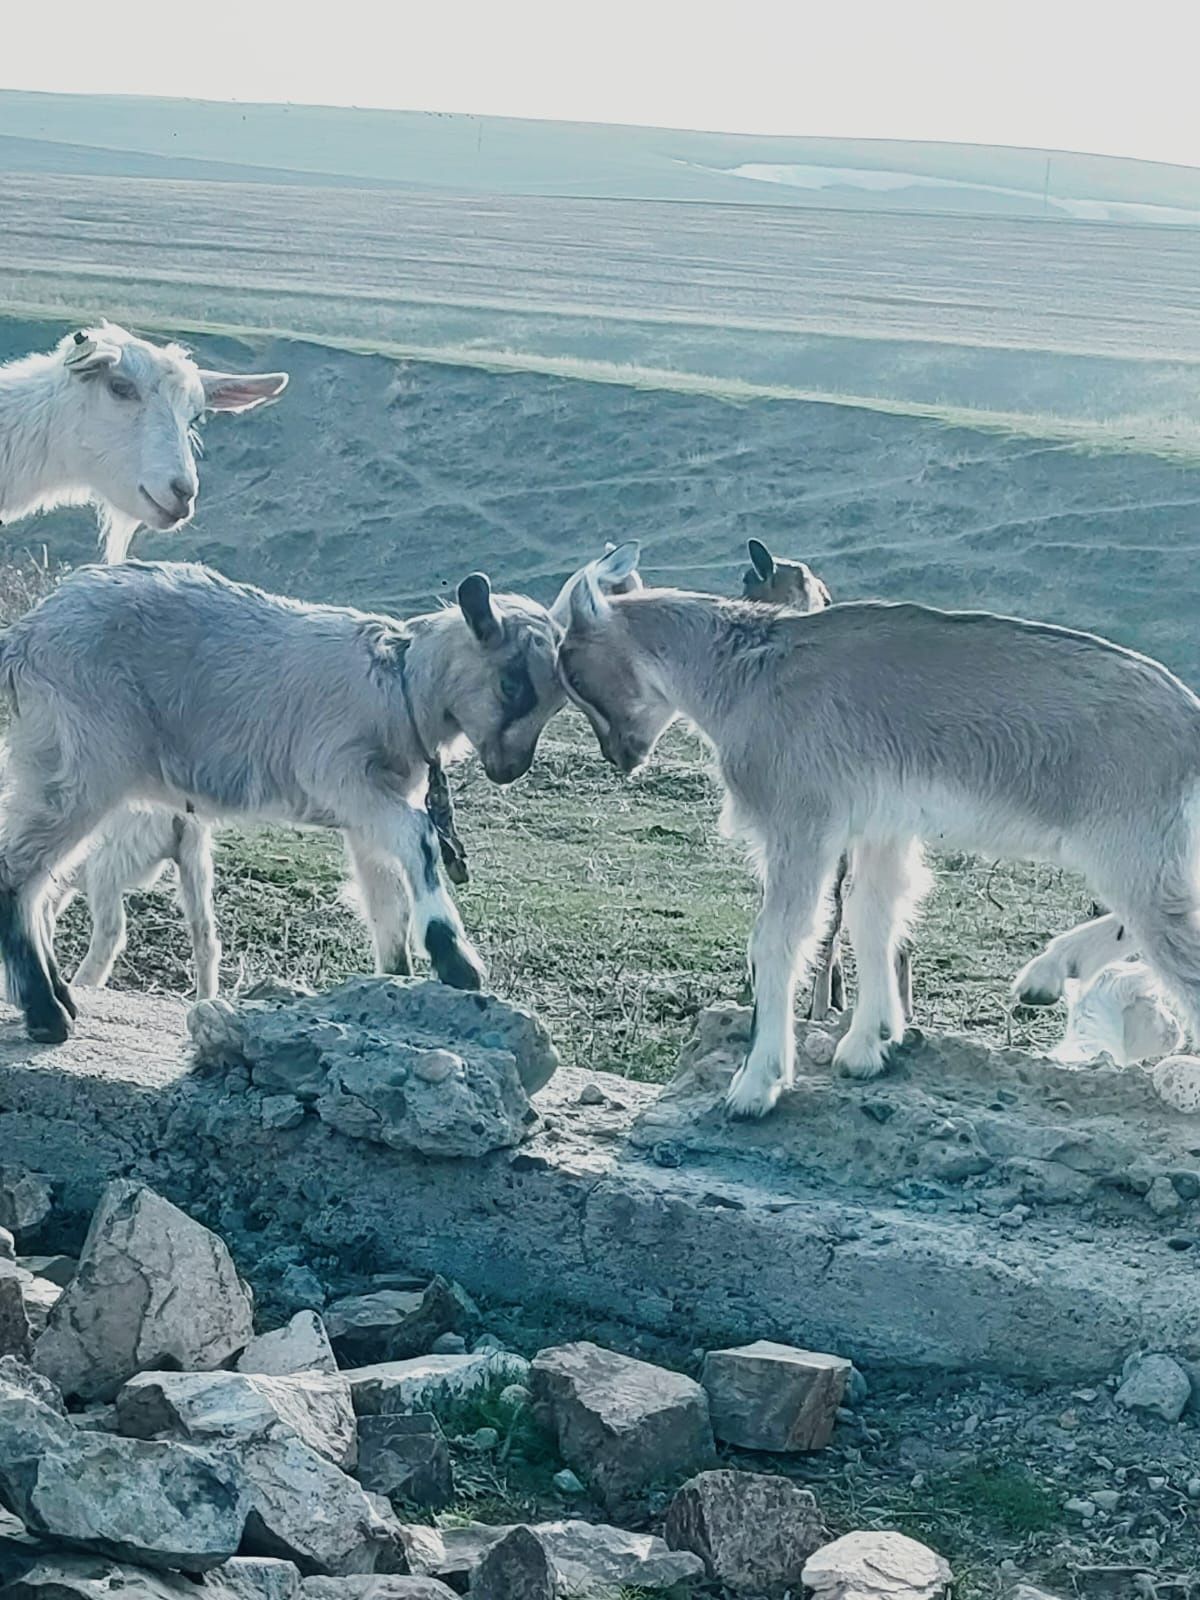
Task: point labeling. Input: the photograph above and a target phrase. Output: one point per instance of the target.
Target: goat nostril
(183, 490)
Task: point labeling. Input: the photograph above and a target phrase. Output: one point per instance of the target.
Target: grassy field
(611, 907)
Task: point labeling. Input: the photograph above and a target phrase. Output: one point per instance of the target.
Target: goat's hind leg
(782, 943)
(193, 842)
(829, 983)
(1079, 953)
(888, 878)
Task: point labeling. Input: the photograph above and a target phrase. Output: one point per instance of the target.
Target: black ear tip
(81, 337)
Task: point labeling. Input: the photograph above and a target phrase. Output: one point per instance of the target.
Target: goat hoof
(454, 962)
(66, 1000)
(752, 1094)
(861, 1058)
(50, 1027)
(1037, 997)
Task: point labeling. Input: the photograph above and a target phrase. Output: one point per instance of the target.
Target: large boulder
(406, 1063)
(767, 1396)
(754, 1532)
(256, 1578)
(425, 1381)
(622, 1424)
(396, 1324)
(156, 1505)
(384, 1586)
(876, 1566)
(25, 1202)
(301, 1345)
(59, 1575)
(236, 1408)
(590, 1559)
(405, 1458)
(154, 1289)
(517, 1567)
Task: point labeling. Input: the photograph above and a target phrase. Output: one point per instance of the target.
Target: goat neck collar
(439, 802)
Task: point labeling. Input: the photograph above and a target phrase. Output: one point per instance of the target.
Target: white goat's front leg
(781, 946)
(396, 829)
(884, 887)
(1079, 953)
(194, 858)
(106, 904)
(383, 893)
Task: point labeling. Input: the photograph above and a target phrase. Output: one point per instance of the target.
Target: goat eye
(122, 389)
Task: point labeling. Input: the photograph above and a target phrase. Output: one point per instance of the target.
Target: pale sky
(1096, 75)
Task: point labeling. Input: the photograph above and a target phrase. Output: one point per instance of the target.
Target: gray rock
(861, 1566)
(95, 1419)
(394, 1324)
(55, 1269)
(428, 1381)
(15, 1336)
(517, 1567)
(8, 1246)
(767, 1396)
(380, 1587)
(281, 1112)
(405, 1458)
(591, 1559)
(238, 1408)
(157, 1505)
(1157, 1384)
(1029, 1591)
(59, 1575)
(622, 1424)
(567, 1483)
(25, 1201)
(256, 1578)
(154, 1288)
(449, 1344)
(20, 1378)
(372, 1057)
(302, 1345)
(754, 1532)
(40, 1296)
(305, 1509)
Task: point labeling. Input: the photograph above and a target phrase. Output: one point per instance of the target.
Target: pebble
(435, 1066)
(1193, 1489)
(567, 1483)
(592, 1095)
(819, 1047)
(514, 1397)
(1107, 1499)
(1082, 1508)
(857, 1388)
(1155, 1383)
(1162, 1197)
(1156, 1483)
(483, 1440)
(486, 1342)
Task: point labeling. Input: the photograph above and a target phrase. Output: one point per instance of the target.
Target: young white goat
(774, 581)
(109, 419)
(868, 727)
(219, 699)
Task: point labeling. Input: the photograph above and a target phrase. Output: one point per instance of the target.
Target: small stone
(1081, 1508)
(253, 1578)
(191, 1307)
(754, 1532)
(1193, 1489)
(819, 1047)
(405, 1458)
(394, 1324)
(567, 1483)
(592, 1095)
(449, 1344)
(517, 1567)
(514, 1397)
(622, 1424)
(1176, 1080)
(857, 1389)
(435, 1066)
(1156, 1483)
(864, 1565)
(485, 1343)
(483, 1440)
(1157, 1384)
(1163, 1198)
(25, 1201)
(281, 1112)
(1106, 1499)
(767, 1396)
(301, 1346)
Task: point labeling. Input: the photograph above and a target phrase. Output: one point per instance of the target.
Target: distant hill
(136, 135)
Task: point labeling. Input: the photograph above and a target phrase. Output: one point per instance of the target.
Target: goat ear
(761, 559)
(617, 562)
(241, 391)
(475, 601)
(588, 601)
(90, 352)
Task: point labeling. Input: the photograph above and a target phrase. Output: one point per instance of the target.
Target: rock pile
(150, 1441)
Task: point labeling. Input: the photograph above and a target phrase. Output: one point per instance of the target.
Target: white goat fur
(868, 727)
(136, 843)
(108, 419)
(1120, 1012)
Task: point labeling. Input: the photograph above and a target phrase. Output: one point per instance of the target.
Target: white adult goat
(868, 727)
(109, 419)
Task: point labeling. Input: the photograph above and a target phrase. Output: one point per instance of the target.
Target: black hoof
(49, 1027)
(450, 960)
(1037, 997)
(66, 1000)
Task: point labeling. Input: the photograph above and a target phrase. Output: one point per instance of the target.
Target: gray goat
(870, 727)
(166, 684)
